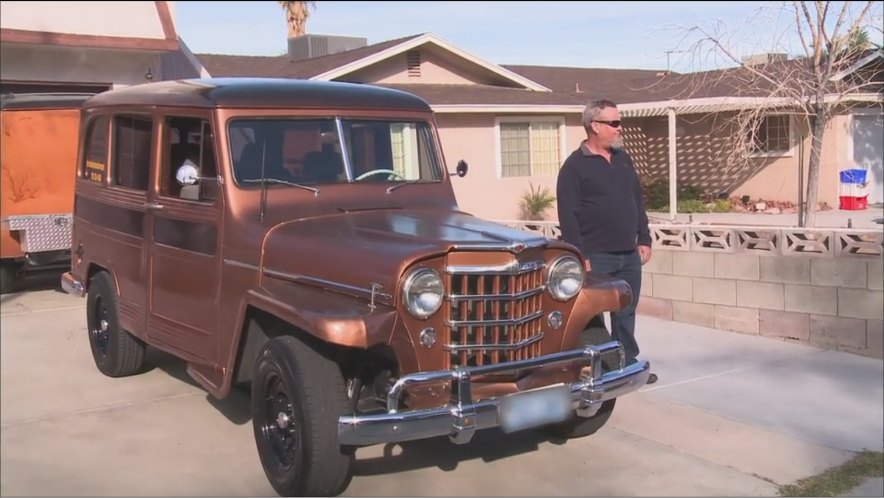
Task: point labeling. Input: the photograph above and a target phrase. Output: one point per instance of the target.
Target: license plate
(528, 409)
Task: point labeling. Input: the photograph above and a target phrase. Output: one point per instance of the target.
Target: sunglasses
(615, 123)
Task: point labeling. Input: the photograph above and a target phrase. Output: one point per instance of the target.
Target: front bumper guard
(462, 417)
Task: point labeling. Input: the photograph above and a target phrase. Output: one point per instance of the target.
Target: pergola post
(673, 180)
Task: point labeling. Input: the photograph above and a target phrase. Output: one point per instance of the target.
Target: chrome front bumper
(72, 286)
(462, 417)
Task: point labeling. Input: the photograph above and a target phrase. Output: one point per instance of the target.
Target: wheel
(576, 427)
(297, 397)
(116, 352)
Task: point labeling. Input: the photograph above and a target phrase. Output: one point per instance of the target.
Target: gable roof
(282, 66)
(536, 88)
(429, 38)
(335, 66)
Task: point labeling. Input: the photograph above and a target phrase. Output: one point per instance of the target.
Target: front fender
(600, 293)
(329, 316)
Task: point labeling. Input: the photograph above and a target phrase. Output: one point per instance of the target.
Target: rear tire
(576, 427)
(116, 352)
(297, 396)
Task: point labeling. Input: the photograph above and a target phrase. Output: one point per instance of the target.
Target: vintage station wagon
(302, 239)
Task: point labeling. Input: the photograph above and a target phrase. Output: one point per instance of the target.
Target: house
(515, 124)
(90, 46)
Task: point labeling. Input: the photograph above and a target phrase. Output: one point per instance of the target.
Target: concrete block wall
(831, 302)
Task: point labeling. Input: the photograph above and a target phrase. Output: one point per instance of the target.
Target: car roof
(47, 100)
(260, 93)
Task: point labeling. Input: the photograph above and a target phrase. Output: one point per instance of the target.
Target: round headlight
(565, 278)
(423, 292)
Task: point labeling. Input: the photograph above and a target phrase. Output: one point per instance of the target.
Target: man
(601, 212)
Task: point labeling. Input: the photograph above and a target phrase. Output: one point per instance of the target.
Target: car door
(184, 256)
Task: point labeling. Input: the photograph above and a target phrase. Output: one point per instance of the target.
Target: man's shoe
(652, 378)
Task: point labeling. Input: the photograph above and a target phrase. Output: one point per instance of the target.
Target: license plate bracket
(527, 409)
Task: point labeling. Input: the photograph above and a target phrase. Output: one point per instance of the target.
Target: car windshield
(311, 151)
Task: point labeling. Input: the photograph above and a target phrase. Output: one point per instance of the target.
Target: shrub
(535, 202)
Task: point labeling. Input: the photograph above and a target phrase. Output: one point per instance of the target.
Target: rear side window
(132, 144)
(95, 168)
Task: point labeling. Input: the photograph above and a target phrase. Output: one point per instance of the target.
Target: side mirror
(187, 174)
(462, 168)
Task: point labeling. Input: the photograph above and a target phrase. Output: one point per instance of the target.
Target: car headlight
(423, 292)
(565, 278)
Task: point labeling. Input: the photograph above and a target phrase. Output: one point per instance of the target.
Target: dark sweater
(600, 204)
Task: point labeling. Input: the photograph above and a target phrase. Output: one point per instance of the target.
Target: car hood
(359, 249)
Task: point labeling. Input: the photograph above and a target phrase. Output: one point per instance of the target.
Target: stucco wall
(471, 137)
(75, 65)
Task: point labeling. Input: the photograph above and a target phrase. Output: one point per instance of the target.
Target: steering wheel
(373, 172)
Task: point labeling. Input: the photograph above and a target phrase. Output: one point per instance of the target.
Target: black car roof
(43, 100)
(260, 93)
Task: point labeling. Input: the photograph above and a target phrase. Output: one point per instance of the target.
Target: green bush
(535, 202)
(722, 206)
(655, 194)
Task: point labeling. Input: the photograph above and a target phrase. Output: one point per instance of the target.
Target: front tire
(116, 352)
(297, 396)
(576, 426)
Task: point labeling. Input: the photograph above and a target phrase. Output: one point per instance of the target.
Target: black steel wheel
(296, 399)
(116, 352)
(576, 427)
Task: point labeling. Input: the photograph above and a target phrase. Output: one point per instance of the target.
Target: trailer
(38, 163)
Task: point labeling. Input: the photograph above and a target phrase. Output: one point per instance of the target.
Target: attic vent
(413, 60)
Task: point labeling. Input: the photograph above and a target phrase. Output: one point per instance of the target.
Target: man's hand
(586, 264)
(644, 252)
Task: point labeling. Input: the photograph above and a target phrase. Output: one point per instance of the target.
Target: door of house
(868, 151)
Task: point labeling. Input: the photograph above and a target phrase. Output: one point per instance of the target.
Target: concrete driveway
(732, 415)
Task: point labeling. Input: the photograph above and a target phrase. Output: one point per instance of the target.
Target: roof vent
(413, 61)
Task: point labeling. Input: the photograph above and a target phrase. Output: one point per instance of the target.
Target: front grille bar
(508, 269)
(495, 323)
(495, 347)
(497, 297)
(494, 312)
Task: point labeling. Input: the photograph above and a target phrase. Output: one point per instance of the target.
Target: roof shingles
(569, 85)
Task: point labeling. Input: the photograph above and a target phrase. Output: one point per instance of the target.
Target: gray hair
(594, 109)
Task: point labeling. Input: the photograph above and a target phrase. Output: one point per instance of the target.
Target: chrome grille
(494, 313)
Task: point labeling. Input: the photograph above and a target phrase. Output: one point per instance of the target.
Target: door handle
(153, 205)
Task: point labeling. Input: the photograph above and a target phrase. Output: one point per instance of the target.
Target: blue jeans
(625, 266)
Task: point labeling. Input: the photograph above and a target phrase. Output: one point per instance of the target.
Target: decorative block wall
(824, 287)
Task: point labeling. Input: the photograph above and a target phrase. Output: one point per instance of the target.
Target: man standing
(601, 212)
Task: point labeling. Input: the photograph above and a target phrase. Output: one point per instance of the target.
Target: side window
(95, 168)
(189, 141)
(131, 151)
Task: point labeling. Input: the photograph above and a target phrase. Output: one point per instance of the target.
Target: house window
(531, 148)
(772, 135)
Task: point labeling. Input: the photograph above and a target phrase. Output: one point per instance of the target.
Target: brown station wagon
(302, 239)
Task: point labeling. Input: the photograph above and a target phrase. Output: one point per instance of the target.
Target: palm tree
(296, 14)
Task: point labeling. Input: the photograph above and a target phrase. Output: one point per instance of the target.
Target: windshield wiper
(282, 182)
(394, 187)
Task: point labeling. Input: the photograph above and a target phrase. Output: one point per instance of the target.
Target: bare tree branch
(821, 82)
